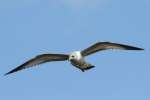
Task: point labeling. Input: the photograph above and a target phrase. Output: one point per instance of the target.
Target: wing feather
(107, 45)
(40, 59)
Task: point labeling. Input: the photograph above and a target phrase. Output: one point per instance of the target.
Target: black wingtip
(141, 49)
(128, 47)
(8, 73)
(13, 71)
(134, 48)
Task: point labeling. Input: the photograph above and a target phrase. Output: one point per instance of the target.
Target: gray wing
(39, 60)
(107, 45)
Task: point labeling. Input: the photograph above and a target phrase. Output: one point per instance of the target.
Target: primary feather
(107, 45)
(39, 60)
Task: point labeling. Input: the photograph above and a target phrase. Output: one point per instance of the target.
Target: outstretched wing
(107, 45)
(39, 60)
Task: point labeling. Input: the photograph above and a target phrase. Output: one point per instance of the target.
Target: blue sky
(32, 27)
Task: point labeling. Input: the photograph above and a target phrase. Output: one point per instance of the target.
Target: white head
(75, 55)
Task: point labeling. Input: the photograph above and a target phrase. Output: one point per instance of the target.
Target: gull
(76, 58)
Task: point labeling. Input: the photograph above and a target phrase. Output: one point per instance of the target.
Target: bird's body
(76, 58)
(78, 61)
(76, 55)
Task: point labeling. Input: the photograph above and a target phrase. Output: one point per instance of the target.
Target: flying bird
(76, 58)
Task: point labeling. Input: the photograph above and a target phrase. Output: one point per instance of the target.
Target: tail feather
(87, 68)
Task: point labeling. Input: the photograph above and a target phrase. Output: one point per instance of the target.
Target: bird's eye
(72, 56)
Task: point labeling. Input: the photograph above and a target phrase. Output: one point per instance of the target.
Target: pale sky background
(32, 27)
